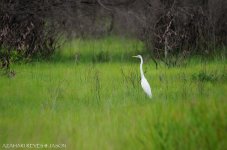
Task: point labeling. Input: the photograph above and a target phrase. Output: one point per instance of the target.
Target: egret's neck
(141, 67)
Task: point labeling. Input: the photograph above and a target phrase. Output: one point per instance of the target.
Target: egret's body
(144, 83)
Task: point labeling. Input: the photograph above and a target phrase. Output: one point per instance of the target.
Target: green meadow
(88, 96)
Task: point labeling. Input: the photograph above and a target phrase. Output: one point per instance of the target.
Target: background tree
(170, 29)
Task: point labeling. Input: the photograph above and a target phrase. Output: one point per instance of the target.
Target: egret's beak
(135, 56)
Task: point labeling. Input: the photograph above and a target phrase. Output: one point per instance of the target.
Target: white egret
(144, 83)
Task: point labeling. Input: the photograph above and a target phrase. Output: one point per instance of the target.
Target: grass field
(88, 96)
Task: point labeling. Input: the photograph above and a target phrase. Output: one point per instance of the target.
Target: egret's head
(138, 56)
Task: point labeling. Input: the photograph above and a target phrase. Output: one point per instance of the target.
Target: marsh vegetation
(88, 96)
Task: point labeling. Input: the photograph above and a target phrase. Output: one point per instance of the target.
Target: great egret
(144, 83)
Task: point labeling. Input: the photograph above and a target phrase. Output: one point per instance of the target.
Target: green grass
(88, 96)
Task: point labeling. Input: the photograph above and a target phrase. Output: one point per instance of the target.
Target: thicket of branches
(169, 28)
(33, 28)
(178, 28)
(30, 28)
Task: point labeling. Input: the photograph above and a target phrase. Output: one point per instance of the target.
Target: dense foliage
(169, 28)
(178, 28)
(29, 28)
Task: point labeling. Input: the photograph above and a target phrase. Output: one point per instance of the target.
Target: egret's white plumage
(144, 83)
